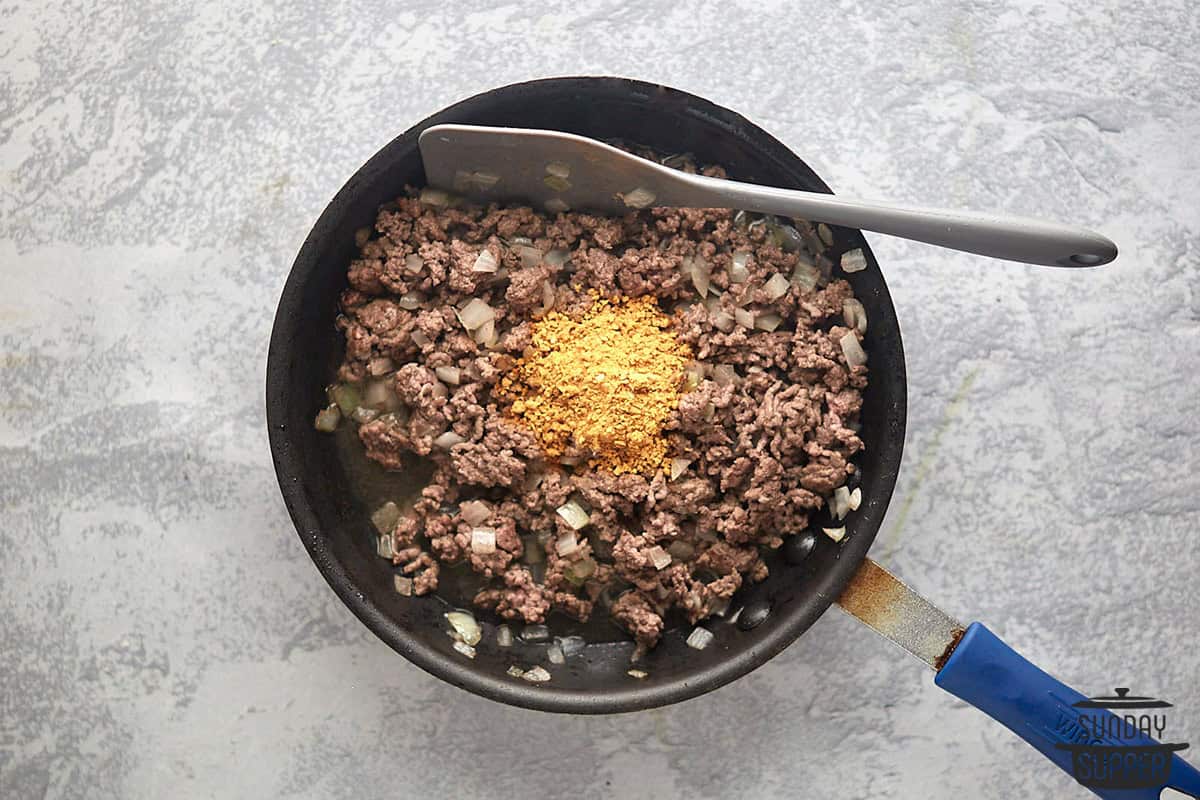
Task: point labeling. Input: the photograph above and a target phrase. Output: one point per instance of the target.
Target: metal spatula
(557, 171)
(1077, 733)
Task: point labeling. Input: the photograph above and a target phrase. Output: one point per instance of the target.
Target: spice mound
(605, 382)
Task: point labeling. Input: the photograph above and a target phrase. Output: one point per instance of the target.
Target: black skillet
(333, 522)
(331, 515)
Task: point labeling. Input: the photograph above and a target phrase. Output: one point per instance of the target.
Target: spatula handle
(998, 681)
(1033, 241)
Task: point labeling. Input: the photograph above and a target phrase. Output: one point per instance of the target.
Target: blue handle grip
(1093, 745)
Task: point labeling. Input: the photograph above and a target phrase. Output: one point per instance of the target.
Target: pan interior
(330, 490)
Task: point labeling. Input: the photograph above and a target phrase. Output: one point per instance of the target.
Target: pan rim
(290, 469)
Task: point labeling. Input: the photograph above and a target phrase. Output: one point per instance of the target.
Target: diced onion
(786, 237)
(404, 585)
(419, 338)
(380, 366)
(474, 512)
(581, 570)
(383, 547)
(724, 374)
(556, 183)
(411, 301)
(548, 296)
(854, 314)
(485, 262)
(465, 649)
(385, 517)
(700, 638)
(448, 440)
(739, 272)
(658, 557)
(724, 321)
(328, 419)
(436, 197)
(537, 675)
(640, 674)
(554, 653)
(466, 626)
(825, 233)
(346, 396)
(558, 169)
(515, 671)
(700, 273)
(475, 314)
(572, 645)
(837, 534)
(835, 506)
(557, 257)
(363, 415)
(768, 322)
(855, 499)
(530, 256)
(744, 317)
(566, 544)
(485, 334)
(854, 260)
(574, 515)
(483, 541)
(535, 633)
(504, 636)
(841, 496)
(556, 205)
(806, 276)
(776, 287)
(639, 198)
(679, 466)
(380, 396)
(413, 262)
(450, 375)
(852, 350)
(465, 181)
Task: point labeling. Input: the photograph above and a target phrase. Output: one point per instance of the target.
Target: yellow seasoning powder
(606, 382)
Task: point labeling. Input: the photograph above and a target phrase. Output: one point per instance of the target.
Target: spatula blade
(549, 170)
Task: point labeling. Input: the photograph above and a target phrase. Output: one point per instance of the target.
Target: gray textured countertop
(162, 631)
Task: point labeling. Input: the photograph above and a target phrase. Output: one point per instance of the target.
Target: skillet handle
(998, 681)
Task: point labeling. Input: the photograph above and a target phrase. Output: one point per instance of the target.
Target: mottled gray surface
(163, 633)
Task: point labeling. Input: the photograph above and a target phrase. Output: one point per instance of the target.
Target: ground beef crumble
(767, 422)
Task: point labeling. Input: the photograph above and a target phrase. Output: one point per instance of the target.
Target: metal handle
(1032, 241)
(1092, 744)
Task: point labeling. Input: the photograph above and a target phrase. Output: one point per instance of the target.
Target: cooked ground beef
(766, 422)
